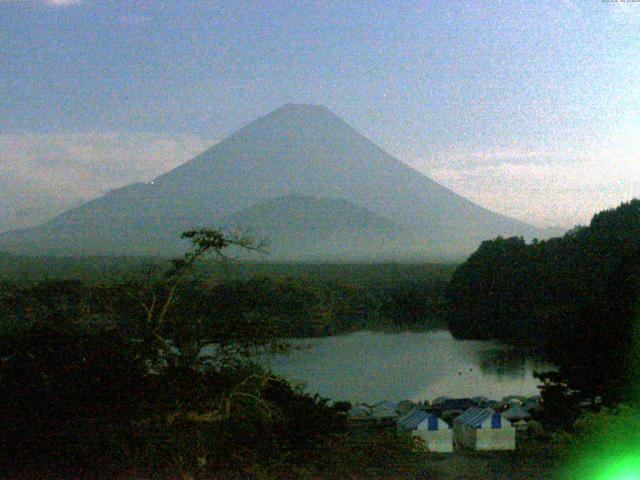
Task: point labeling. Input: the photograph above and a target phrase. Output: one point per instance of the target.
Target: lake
(372, 366)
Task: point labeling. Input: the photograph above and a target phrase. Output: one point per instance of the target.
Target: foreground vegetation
(108, 380)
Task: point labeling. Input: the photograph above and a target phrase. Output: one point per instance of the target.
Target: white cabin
(434, 432)
(484, 429)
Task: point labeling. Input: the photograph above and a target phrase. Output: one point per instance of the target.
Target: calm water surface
(370, 367)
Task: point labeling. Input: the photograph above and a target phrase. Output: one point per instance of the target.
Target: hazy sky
(529, 108)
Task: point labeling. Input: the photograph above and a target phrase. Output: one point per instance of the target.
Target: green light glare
(610, 449)
(607, 444)
(627, 468)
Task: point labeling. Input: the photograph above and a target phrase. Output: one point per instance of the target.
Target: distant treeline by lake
(29, 269)
(298, 299)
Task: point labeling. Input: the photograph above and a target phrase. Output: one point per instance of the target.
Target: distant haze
(42, 175)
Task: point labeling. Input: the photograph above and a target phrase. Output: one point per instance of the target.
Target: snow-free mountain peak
(295, 150)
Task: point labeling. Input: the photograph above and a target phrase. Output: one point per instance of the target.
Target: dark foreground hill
(383, 208)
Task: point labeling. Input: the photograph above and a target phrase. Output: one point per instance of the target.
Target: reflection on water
(503, 361)
(369, 367)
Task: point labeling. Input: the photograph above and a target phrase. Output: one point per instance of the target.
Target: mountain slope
(300, 213)
(298, 226)
(297, 149)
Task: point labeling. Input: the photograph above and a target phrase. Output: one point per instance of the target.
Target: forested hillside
(573, 298)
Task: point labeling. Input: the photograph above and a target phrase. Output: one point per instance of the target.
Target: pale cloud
(563, 186)
(513, 153)
(42, 171)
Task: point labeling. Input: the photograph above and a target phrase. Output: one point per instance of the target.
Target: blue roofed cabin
(484, 429)
(434, 432)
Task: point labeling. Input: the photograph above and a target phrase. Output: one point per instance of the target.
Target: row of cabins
(477, 429)
(449, 423)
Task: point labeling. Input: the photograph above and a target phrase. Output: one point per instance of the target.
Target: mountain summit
(302, 152)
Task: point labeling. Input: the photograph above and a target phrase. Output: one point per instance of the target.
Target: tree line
(574, 299)
(296, 306)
